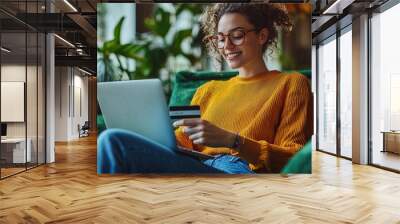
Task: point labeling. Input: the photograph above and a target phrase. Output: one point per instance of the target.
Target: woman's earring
(264, 35)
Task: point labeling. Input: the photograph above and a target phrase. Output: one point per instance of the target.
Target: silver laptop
(140, 106)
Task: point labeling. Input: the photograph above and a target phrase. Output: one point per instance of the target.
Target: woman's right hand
(205, 133)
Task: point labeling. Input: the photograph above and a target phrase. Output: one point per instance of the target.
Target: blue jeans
(121, 151)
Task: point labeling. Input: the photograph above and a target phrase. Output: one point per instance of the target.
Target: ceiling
(332, 15)
(72, 20)
(75, 21)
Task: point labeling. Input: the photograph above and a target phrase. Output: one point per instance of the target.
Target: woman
(253, 122)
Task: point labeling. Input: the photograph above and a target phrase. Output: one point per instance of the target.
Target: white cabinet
(15, 148)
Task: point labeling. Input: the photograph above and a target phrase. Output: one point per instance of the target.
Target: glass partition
(22, 89)
(31, 100)
(13, 105)
(41, 91)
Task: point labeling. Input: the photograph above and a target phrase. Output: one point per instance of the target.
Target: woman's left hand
(205, 133)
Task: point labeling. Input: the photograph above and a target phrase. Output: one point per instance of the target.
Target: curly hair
(270, 16)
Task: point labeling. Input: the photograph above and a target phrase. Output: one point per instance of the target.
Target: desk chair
(84, 130)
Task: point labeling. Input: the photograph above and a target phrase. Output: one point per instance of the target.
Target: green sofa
(186, 83)
(184, 87)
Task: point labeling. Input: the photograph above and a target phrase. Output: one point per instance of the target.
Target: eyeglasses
(236, 37)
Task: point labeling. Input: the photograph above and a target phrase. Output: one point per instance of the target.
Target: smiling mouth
(232, 55)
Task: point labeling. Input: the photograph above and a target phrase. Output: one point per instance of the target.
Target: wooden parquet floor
(10, 171)
(69, 191)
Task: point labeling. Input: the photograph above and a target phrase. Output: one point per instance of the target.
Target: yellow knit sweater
(272, 111)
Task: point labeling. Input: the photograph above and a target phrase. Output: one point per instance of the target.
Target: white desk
(16, 147)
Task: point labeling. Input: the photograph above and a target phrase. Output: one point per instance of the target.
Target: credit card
(181, 112)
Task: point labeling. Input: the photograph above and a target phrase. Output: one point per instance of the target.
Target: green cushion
(101, 126)
(300, 162)
(305, 72)
(186, 84)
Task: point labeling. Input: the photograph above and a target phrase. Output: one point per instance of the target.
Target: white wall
(70, 83)
(61, 103)
(81, 82)
(12, 73)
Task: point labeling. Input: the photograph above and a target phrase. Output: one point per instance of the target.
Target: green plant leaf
(162, 22)
(157, 58)
(130, 51)
(109, 47)
(151, 50)
(193, 59)
(149, 23)
(117, 30)
(178, 39)
(180, 8)
(194, 9)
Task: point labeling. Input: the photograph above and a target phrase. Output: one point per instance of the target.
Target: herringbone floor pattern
(70, 191)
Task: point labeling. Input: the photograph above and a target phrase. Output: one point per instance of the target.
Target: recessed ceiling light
(5, 50)
(70, 5)
(64, 40)
(337, 7)
(84, 71)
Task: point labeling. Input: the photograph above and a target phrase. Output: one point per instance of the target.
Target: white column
(360, 90)
(50, 100)
(62, 103)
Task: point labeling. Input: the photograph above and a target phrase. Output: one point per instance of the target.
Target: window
(346, 74)
(327, 95)
(385, 88)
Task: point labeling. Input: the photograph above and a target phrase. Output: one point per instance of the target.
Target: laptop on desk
(140, 106)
